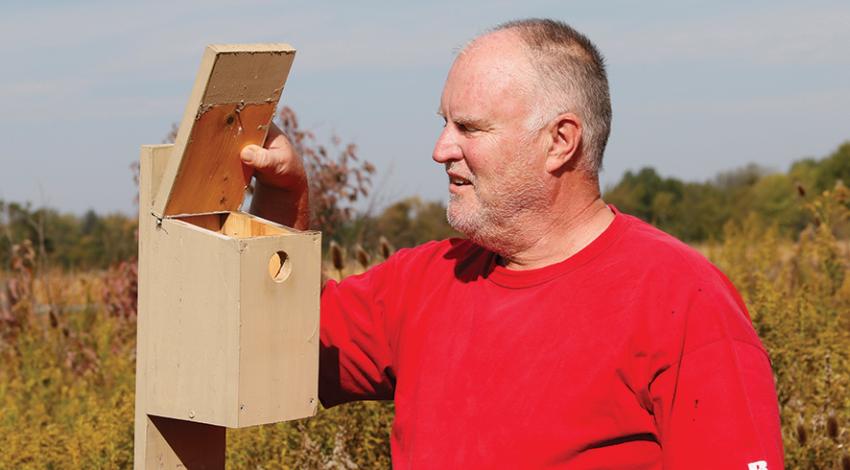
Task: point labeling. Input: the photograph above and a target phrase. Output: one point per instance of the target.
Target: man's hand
(281, 189)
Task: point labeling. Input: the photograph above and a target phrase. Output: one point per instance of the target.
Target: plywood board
(241, 225)
(211, 222)
(234, 99)
(194, 308)
(237, 225)
(279, 330)
(212, 177)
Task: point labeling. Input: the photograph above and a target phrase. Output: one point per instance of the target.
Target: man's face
(493, 160)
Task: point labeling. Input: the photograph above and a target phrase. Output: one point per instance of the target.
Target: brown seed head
(832, 428)
(386, 249)
(362, 256)
(801, 435)
(336, 256)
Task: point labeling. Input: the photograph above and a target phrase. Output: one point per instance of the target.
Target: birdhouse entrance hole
(279, 266)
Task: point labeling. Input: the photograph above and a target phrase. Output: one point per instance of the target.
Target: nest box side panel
(232, 103)
(279, 354)
(193, 324)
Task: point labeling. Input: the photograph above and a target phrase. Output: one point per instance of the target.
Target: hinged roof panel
(234, 99)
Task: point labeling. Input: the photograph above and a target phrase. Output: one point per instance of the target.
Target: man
(562, 333)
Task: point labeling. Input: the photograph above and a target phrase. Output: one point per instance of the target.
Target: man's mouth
(458, 181)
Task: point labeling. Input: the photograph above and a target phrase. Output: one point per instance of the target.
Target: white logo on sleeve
(757, 465)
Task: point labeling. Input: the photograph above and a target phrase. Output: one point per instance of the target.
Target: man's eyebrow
(464, 120)
(469, 121)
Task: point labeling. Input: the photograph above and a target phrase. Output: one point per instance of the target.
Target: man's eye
(464, 127)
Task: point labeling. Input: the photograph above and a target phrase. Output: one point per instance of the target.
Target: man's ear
(566, 133)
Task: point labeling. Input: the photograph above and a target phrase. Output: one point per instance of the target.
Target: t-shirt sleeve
(716, 406)
(355, 357)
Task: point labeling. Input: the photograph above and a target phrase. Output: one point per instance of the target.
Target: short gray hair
(572, 77)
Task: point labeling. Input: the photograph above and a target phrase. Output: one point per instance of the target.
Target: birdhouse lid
(234, 99)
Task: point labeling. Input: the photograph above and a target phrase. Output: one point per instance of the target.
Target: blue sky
(697, 87)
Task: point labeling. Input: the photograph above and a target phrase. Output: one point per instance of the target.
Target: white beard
(497, 223)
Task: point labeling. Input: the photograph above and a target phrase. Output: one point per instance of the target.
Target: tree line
(697, 212)
(692, 211)
(67, 240)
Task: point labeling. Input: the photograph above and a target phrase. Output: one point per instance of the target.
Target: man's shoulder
(651, 248)
(666, 261)
(669, 272)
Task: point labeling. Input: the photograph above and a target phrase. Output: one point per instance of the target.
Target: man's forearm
(290, 207)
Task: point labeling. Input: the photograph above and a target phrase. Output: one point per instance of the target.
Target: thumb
(253, 155)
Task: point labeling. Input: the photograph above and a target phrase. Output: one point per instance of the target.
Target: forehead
(492, 73)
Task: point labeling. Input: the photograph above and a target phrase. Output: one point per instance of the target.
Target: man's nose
(446, 149)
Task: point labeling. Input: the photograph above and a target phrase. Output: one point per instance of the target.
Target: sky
(697, 87)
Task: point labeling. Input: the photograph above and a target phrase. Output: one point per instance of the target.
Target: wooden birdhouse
(228, 326)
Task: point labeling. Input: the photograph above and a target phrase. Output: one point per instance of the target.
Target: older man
(562, 333)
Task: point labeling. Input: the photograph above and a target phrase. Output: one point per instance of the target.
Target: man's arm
(716, 407)
(281, 192)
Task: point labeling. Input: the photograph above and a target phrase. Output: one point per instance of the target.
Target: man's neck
(567, 233)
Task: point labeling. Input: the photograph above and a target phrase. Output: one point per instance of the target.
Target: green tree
(834, 167)
(412, 221)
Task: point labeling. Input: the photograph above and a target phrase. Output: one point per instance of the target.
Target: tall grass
(798, 295)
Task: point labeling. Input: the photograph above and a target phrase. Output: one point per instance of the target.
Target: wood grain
(211, 177)
(237, 224)
(210, 222)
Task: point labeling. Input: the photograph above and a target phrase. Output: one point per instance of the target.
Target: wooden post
(163, 442)
(228, 303)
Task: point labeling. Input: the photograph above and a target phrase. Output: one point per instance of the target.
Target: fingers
(255, 156)
(247, 153)
(277, 165)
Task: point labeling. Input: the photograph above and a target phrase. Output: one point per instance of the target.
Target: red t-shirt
(635, 352)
